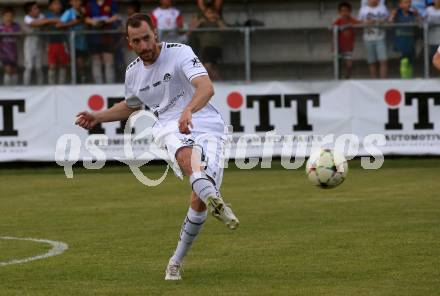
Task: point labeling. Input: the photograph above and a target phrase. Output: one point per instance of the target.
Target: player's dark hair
(28, 6)
(136, 5)
(8, 9)
(135, 21)
(344, 4)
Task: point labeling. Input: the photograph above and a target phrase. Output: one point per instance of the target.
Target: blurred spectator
(346, 36)
(132, 8)
(419, 6)
(374, 37)
(167, 20)
(216, 4)
(8, 47)
(57, 57)
(433, 19)
(73, 19)
(404, 38)
(210, 42)
(33, 20)
(364, 3)
(102, 15)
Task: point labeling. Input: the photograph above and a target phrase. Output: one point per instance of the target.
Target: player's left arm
(204, 91)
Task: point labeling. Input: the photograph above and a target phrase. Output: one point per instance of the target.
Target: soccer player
(171, 81)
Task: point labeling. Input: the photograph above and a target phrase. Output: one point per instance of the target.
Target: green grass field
(377, 234)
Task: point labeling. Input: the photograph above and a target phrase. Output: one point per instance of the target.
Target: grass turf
(377, 234)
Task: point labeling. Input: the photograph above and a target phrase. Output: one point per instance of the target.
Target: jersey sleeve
(363, 12)
(28, 20)
(66, 17)
(131, 98)
(190, 64)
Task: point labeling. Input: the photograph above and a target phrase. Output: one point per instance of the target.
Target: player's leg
(189, 161)
(191, 227)
(203, 184)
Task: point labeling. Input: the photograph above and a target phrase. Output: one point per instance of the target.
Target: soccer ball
(326, 168)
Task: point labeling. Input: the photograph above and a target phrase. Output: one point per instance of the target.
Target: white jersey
(165, 87)
(378, 13)
(32, 43)
(166, 19)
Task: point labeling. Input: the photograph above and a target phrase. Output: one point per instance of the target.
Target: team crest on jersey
(187, 141)
(167, 77)
(196, 62)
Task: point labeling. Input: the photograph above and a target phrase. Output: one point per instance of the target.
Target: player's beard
(149, 56)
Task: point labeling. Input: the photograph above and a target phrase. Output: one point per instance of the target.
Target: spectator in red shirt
(346, 36)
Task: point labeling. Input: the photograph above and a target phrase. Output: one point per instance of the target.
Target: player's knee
(183, 157)
(197, 204)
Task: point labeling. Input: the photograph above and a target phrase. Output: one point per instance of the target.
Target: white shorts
(210, 146)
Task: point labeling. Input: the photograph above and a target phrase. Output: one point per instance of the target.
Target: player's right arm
(118, 112)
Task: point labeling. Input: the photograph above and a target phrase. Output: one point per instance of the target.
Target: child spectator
(102, 15)
(57, 57)
(8, 47)
(167, 18)
(217, 5)
(33, 20)
(433, 19)
(346, 36)
(73, 18)
(404, 39)
(375, 38)
(210, 42)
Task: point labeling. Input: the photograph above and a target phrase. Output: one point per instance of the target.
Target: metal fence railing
(244, 53)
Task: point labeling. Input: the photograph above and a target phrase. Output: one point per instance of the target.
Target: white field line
(57, 249)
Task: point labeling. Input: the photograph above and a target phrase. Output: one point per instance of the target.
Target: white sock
(7, 79)
(109, 73)
(190, 229)
(97, 71)
(202, 186)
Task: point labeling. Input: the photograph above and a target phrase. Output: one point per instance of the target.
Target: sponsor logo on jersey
(196, 62)
(167, 77)
(187, 141)
(145, 88)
